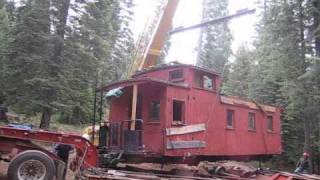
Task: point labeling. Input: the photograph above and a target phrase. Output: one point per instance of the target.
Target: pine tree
(281, 61)
(35, 77)
(29, 47)
(4, 40)
(239, 75)
(123, 49)
(215, 46)
(81, 53)
(98, 50)
(55, 56)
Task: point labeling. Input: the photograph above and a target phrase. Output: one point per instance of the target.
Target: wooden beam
(134, 106)
(185, 129)
(185, 144)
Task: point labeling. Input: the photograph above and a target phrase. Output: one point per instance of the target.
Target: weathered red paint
(14, 141)
(201, 106)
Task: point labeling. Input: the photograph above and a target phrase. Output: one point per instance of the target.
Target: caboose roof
(236, 101)
(142, 80)
(229, 100)
(173, 66)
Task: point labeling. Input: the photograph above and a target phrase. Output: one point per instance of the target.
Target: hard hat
(306, 154)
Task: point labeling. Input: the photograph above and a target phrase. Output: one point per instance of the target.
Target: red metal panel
(153, 135)
(84, 147)
(152, 130)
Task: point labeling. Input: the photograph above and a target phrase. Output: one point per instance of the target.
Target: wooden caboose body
(180, 113)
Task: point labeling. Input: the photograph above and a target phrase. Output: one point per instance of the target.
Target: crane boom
(153, 50)
(217, 20)
(157, 42)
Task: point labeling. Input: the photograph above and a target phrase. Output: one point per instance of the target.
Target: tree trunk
(76, 117)
(62, 17)
(306, 120)
(307, 143)
(316, 22)
(316, 31)
(45, 118)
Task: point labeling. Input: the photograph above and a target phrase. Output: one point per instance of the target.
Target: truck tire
(31, 165)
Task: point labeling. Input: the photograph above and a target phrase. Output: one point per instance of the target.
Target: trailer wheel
(31, 165)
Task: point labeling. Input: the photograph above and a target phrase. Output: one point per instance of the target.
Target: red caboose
(179, 113)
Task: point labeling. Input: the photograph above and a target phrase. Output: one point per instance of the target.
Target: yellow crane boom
(158, 39)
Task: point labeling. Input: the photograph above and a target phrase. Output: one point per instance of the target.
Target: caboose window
(251, 121)
(207, 82)
(155, 110)
(176, 75)
(230, 119)
(204, 81)
(178, 111)
(270, 123)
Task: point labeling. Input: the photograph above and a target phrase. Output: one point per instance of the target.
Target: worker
(103, 134)
(303, 164)
(62, 151)
(3, 112)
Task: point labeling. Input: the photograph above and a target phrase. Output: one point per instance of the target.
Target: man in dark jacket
(3, 112)
(63, 151)
(303, 164)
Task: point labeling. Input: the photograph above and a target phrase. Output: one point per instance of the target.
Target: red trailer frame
(15, 142)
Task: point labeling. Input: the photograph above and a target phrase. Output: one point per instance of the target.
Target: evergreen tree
(123, 49)
(281, 50)
(27, 68)
(88, 49)
(35, 69)
(215, 46)
(100, 48)
(55, 56)
(4, 40)
(238, 78)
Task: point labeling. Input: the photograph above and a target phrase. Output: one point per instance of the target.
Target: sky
(184, 45)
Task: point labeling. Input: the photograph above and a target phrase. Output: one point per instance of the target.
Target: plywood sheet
(185, 144)
(185, 129)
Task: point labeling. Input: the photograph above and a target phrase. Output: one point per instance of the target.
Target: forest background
(54, 53)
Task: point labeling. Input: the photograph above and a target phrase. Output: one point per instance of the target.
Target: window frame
(254, 128)
(183, 111)
(151, 118)
(199, 78)
(209, 78)
(270, 117)
(233, 119)
(176, 79)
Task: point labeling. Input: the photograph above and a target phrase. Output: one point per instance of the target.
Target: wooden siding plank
(185, 129)
(185, 144)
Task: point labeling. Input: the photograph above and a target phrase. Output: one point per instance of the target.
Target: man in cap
(303, 164)
(3, 112)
